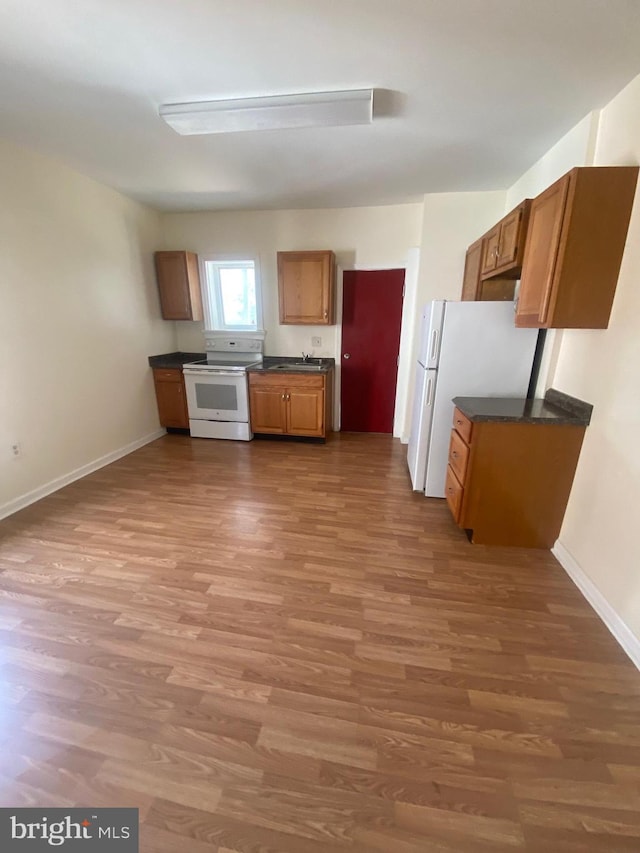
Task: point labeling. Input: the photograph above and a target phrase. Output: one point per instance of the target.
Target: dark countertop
(271, 361)
(556, 408)
(175, 359)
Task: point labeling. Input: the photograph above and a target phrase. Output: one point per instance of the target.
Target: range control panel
(228, 343)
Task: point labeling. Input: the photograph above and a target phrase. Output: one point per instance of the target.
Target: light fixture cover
(312, 109)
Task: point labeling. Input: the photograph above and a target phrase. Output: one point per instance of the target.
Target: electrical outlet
(16, 450)
(316, 341)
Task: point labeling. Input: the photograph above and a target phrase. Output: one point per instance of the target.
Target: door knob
(347, 355)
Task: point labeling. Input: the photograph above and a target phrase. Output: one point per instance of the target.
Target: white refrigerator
(466, 349)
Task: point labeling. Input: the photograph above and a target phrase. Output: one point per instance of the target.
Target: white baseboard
(620, 630)
(53, 485)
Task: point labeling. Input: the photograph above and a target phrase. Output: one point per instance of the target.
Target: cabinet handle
(454, 453)
(326, 314)
(284, 396)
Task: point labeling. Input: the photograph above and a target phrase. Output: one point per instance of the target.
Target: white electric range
(217, 389)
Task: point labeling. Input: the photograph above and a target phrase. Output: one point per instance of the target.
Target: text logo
(73, 830)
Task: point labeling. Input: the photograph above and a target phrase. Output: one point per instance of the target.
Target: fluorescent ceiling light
(313, 109)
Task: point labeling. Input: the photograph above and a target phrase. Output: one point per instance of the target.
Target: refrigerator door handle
(434, 344)
(429, 392)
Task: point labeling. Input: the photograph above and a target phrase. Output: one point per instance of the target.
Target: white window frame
(212, 297)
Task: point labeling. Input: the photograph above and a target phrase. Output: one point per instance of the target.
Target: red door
(371, 318)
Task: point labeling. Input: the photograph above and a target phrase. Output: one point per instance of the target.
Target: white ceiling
(474, 91)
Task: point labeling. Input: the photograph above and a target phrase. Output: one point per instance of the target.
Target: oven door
(216, 396)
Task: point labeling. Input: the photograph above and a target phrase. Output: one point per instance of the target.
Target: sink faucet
(306, 356)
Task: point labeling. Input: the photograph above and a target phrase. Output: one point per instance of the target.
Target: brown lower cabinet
(171, 397)
(291, 404)
(509, 483)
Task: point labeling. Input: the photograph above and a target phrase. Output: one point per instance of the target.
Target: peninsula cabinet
(509, 483)
(171, 397)
(575, 241)
(306, 288)
(503, 246)
(179, 285)
(291, 404)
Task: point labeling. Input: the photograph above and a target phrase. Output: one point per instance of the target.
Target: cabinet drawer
(165, 374)
(453, 493)
(280, 379)
(463, 425)
(458, 455)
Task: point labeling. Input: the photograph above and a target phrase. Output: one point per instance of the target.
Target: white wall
(600, 529)
(450, 223)
(79, 315)
(361, 237)
(575, 148)
(598, 541)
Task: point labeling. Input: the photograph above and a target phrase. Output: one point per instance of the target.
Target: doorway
(371, 322)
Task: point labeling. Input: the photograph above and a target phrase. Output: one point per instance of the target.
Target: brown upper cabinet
(179, 285)
(575, 241)
(474, 288)
(503, 246)
(306, 288)
(471, 277)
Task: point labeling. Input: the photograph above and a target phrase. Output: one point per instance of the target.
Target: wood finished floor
(279, 647)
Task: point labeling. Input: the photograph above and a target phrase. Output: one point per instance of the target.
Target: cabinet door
(179, 285)
(509, 233)
(497, 290)
(172, 404)
(541, 251)
(268, 410)
(490, 250)
(453, 492)
(471, 277)
(306, 287)
(305, 412)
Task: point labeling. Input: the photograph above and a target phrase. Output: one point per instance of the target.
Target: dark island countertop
(171, 360)
(270, 365)
(555, 408)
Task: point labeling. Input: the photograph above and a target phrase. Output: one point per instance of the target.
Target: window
(231, 295)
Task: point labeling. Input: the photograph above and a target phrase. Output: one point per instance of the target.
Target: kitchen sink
(297, 366)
